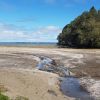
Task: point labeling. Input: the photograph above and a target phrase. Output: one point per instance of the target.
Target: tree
(83, 32)
(93, 11)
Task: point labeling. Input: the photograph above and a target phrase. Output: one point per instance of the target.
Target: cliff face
(83, 32)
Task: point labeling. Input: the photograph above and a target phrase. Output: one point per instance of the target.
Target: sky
(38, 20)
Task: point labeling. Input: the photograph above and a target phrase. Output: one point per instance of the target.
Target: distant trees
(83, 32)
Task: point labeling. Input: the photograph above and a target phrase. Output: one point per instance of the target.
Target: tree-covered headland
(83, 32)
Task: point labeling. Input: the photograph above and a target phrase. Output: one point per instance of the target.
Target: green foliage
(3, 97)
(83, 32)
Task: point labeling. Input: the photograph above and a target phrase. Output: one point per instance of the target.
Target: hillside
(83, 32)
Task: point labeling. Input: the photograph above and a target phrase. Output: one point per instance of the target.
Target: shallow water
(43, 62)
(48, 64)
(71, 87)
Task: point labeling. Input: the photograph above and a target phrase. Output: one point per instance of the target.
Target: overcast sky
(38, 20)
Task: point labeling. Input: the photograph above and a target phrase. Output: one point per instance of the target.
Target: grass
(3, 97)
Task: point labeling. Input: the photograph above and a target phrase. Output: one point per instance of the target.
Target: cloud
(42, 34)
(48, 29)
(10, 33)
(48, 33)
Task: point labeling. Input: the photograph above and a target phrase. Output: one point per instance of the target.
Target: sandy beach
(19, 73)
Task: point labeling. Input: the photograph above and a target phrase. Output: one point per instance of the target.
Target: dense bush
(83, 32)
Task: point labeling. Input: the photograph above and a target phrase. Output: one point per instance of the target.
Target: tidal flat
(20, 75)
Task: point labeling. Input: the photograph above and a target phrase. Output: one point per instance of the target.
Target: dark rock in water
(54, 63)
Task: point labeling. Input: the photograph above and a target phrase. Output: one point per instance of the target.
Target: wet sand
(19, 75)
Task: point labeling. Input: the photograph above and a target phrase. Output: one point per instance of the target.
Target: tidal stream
(70, 86)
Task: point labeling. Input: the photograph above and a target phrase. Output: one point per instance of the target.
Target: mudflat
(19, 73)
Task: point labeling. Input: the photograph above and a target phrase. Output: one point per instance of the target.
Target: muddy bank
(92, 86)
(14, 60)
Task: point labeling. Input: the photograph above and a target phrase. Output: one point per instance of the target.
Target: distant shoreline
(29, 44)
